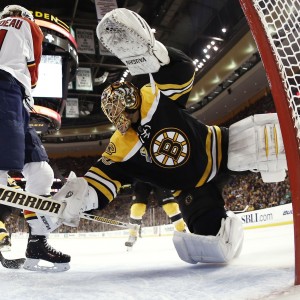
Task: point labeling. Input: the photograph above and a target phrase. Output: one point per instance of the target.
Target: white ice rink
(102, 269)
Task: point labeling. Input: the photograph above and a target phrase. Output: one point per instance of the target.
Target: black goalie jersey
(168, 147)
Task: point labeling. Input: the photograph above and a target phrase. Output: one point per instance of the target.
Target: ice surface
(102, 268)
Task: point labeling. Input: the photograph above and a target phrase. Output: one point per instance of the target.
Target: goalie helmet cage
(275, 27)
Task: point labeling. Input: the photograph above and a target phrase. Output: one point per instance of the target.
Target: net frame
(275, 27)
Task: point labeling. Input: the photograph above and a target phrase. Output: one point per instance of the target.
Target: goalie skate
(38, 250)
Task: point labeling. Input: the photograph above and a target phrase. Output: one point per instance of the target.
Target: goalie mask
(16, 10)
(118, 101)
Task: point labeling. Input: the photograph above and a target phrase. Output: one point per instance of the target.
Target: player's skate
(133, 233)
(5, 241)
(38, 250)
(131, 241)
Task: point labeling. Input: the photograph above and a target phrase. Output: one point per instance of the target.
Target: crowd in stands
(245, 190)
(249, 190)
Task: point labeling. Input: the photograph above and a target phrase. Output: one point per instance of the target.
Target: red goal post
(275, 26)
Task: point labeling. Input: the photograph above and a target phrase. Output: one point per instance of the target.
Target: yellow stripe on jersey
(176, 96)
(102, 188)
(122, 147)
(209, 159)
(149, 101)
(219, 141)
(172, 86)
(101, 174)
(176, 193)
(174, 91)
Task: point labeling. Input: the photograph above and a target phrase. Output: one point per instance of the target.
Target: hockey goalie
(158, 141)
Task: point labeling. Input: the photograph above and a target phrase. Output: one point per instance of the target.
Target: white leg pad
(193, 248)
(255, 144)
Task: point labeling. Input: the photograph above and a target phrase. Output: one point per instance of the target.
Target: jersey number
(3, 33)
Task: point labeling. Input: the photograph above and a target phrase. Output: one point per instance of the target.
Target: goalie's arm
(175, 80)
(99, 186)
(106, 180)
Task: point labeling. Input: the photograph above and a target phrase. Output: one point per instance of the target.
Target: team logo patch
(170, 148)
(111, 148)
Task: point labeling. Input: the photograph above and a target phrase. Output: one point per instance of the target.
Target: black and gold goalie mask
(119, 100)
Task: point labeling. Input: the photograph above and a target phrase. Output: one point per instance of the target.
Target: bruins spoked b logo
(170, 148)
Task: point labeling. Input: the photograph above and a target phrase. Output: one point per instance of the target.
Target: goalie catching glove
(78, 197)
(128, 36)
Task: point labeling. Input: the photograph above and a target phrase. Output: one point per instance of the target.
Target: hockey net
(275, 26)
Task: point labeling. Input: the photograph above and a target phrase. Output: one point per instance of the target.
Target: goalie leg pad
(193, 248)
(255, 144)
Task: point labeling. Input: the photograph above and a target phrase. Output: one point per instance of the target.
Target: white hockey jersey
(21, 50)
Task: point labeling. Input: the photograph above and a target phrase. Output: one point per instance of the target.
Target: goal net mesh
(275, 27)
(280, 19)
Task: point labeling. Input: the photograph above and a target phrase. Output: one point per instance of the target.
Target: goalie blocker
(255, 144)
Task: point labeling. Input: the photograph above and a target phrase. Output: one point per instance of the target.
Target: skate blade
(33, 265)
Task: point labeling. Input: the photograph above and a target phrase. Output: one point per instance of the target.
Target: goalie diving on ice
(158, 141)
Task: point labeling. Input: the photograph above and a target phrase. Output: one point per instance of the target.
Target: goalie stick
(45, 206)
(28, 201)
(104, 220)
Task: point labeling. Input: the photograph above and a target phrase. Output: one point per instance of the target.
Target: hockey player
(140, 198)
(158, 141)
(21, 149)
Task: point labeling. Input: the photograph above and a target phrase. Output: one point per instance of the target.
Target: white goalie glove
(78, 197)
(128, 36)
(255, 144)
